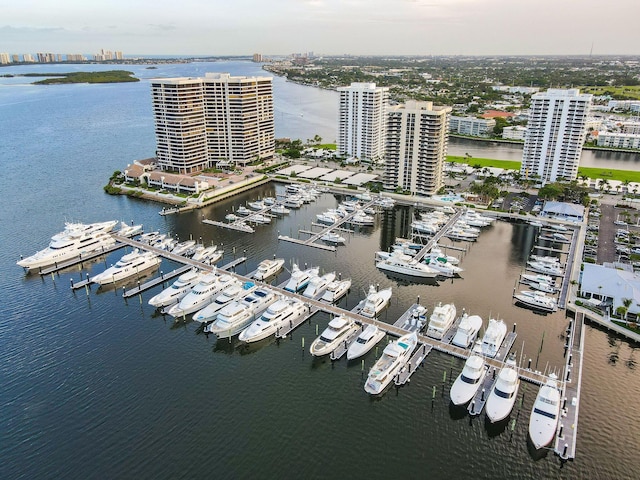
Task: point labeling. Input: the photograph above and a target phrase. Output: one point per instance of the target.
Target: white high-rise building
(416, 149)
(212, 121)
(555, 134)
(363, 121)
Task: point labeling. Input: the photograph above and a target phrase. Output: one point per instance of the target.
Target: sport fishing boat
(536, 300)
(300, 278)
(394, 358)
(338, 330)
(318, 284)
(336, 290)
(364, 342)
(375, 301)
(469, 380)
(441, 320)
(268, 268)
(543, 421)
(503, 395)
(493, 337)
(467, 330)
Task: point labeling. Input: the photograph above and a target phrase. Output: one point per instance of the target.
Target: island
(109, 76)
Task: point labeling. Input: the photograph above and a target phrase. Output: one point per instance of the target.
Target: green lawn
(327, 146)
(485, 162)
(627, 92)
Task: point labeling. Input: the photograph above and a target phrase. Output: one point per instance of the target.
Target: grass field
(629, 92)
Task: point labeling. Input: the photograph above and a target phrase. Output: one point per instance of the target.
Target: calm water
(96, 387)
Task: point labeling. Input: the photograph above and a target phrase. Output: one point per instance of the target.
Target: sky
(330, 27)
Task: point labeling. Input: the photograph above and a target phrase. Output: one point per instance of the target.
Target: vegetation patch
(620, 175)
(622, 92)
(110, 76)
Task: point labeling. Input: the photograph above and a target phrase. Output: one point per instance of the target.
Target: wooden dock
(480, 398)
(155, 281)
(238, 225)
(79, 259)
(307, 243)
(439, 234)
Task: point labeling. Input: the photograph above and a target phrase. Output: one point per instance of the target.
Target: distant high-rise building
(75, 57)
(257, 57)
(361, 132)
(212, 121)
(15, 58)
(416, 147)
(118, 55)
(555, 134)
(4, 58)
(28, 57)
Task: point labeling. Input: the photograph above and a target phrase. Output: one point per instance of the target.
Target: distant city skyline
(330, 27)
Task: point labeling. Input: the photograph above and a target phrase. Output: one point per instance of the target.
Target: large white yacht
(469, 380)
(364, 342)
(338, 330)
(394, 357)
(300, 278)
(336, 290)
(129, 265)
(318, 284)
(209, 255)
(403, 264)
(268, 267)
(543, 422)
(375, 301)
(202, 294)
(546, 268)
(235, 317)
(441, 320)
(232, 292)
(536, 300)
(467, 331)
(277, 315)
(444, 268)
(129, 230)
(503, 395)
(177, 290)
(493, 337)
(76, 239)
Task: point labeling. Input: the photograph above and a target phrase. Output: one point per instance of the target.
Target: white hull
(543, 422)
(268, 268)
(177, 291)
(262, 328)
(418, 270)
(467, 331)
(124, 269)
(503, 395)
(365, 342)
(393, 359)
(469, 381)
(335, 291)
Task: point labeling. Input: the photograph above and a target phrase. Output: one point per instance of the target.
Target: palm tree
(627, 303)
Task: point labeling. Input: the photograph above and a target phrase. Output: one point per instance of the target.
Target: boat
(338, 330)
(547, 268)
(257, 205)
(328, 218)
(300, 278)
(493, 337)
(235, 317)
(442, 256)
(334, 238)
(129, 265)
(469, 380)
(444, 268)
(528, 278)
(231, 217)
(280, 210)
(364, 342)
(536, 300)
(536, 223)
(278, 314)
(441, 320)
(394, 357)
(177, 290)
(184, 248)
(543, 287)
(209, 255)
(166, 243)
(318, 284)
(244, 211)
(362, 219)
(269, 201)
(201, 295)
(503, 395)
(398, 262)
(75, 240)
(375, 301)
(467, 330)
(336, 290)
(129, 230)
(259, 218)
(232, 292)
(461, 234)
(268, 268)
(545, 413)
(148, 237)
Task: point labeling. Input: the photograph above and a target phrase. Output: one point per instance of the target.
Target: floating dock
(155, 281)
(238, 225)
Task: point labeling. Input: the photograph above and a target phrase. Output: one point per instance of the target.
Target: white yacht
(467, 330)
(334, 238)
(441, 320)
(185, 248)
(300, 278)
(232, 292)
(543, 422)
(201, 295)
(403, 264)
(209, 255)
(375, 301)
(257, 205)
(493, 337)
(129, 265)
(361, 218)
(149, 237)
(536, 300)
(367, 339)
(318, 284)
(469, 380)
(280, 209)
(129, 230)
(268, 268)
(444, 268)
(336, 290)
(437, 252)
(547, 268)
(394, 357)
(503, 395)
(337, 331)
(277, 315)
(244, 211)
(235, 317)
(328, 218)
(76, 239)
(528, 278)
(177, 290)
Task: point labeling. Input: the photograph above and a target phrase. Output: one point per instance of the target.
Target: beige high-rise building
(217, 120)
(416, 149)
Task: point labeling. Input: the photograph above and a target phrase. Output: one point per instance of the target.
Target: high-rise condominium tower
(362, 121)
(212, 121)
(417, 140)
(555, 134)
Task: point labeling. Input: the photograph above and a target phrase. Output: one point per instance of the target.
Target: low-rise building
(471, 126)
(516, 132)
(611, 287)
(618, 140)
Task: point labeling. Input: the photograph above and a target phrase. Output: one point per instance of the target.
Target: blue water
(93, 386)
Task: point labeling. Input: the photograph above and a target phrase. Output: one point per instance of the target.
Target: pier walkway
(155, 281)
(439, 234)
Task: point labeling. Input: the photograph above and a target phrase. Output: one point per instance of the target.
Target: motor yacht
(543, 421)
(177, 290)
(362, 219)
(75, 240)
(148, 237)
(375, 301)
(364, 342)
(467, 330)
(437, 252)
(536, 300)
(333, 238)
(232, 292)
(280, 210)
(201, 295)
(208, 255)
(279, 314)
(493, 337)
(231, 217)
(394, 357)
(269, 201)
(184, 248)
(543, 287)
(336, 290)
(129, 230)
(444, 268)
(257, 205)
(259, 218)
(300, 278)
(461, 234)
(503, 395)
(441, 320)
(237, 316)
(469, 380)
(244, 211)
(338, 330)
(268, 268)
(318, 284)
(529, 279)
(398, 262)
(547, 268)
(328, 218)
(129, 265)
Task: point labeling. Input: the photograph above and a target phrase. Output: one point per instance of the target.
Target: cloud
(11, 30)
(162, 26)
